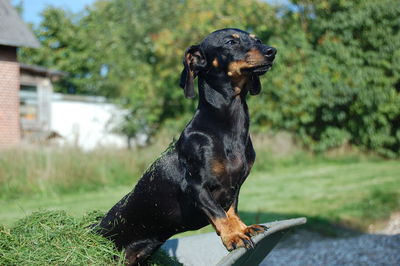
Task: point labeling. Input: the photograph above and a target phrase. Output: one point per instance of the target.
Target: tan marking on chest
(237, 90)
(218, 167)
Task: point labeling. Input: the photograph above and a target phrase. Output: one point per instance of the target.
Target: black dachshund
(196, 181)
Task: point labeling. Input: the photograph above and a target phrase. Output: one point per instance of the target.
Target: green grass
(354, 192)
(29, 171)
(56, 238)
(76, 203)
(348, 190)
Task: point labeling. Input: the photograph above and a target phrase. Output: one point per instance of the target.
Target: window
(29, 110)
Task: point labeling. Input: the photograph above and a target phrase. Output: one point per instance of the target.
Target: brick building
(13, 34)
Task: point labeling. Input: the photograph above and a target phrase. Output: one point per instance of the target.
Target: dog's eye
(230, 42)
(258, 41)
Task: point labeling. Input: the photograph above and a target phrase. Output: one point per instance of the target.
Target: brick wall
(9, 97)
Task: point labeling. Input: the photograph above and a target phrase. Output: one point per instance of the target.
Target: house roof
(13, 31)
(39, 70)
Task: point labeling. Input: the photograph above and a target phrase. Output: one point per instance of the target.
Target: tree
(360, 41)
(336, 78)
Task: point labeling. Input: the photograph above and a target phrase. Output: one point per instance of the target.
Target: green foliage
(336, 79)
(63, 48)
(362, 40)
(337, 76)
(56, 238)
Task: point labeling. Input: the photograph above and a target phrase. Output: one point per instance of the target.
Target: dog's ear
(254, 85)
(193, 62)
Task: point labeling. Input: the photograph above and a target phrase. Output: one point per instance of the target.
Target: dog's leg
(251, 230)
(230, 229)
(138, 252)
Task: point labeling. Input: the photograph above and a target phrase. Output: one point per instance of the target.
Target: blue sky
(32, 8)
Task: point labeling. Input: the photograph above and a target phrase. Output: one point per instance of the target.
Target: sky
(32, 8)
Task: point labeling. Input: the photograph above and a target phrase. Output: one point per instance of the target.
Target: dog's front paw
(254, 229)
(237, 240)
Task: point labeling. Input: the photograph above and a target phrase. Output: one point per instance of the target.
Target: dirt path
(390, 227)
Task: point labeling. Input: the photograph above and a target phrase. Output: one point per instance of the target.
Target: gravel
(306, 248)
(303, 248)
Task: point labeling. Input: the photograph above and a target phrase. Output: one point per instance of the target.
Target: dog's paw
(254, 229)
(237, 240)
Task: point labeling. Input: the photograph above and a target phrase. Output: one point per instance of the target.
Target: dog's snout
(270, 52)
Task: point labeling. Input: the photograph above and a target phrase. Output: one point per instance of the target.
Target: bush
(336, 77)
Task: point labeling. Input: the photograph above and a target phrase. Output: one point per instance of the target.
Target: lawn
(334, 193)
(353, 191)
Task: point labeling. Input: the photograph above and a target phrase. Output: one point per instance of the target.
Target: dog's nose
(270, 52)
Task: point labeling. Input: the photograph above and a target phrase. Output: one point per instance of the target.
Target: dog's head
(234, 53)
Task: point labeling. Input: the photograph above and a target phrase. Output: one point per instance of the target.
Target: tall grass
(32, 170)
(29, 170)
(347, 187)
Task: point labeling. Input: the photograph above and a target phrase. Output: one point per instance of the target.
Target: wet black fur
(179, 191)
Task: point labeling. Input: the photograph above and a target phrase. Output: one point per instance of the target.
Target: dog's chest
(228, 173)
(229, 167)
(235, 163)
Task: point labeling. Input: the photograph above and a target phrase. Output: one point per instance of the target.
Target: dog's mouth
(260, 69)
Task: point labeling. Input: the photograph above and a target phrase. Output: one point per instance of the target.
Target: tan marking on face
(239, 80)
(235, 36)
(235, 67)
(188, 58)
(189, 62)
(217, 168)
(215, 62)
(252, 36)
(255, 57)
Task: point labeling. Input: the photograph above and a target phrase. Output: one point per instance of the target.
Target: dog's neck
(218, 91)
(222, 102)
